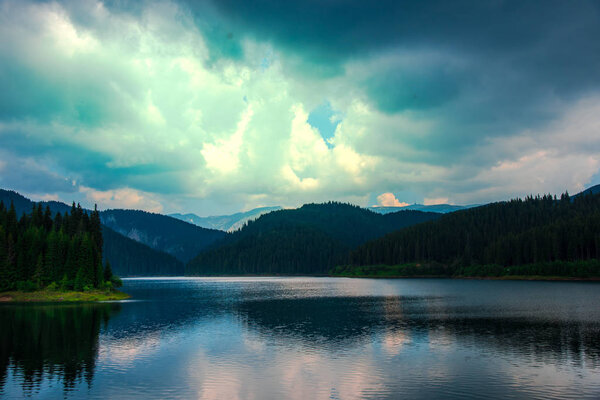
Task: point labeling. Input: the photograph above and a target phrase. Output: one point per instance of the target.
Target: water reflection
(314, 338)
(52, 342)
(335, 323)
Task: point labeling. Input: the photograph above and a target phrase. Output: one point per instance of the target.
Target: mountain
(438, 208)
(130, 258)
(127, 257)
(534, 236)
(228, 223)
(23, 205)
(591, 190)
(310, 239)
(180, 239)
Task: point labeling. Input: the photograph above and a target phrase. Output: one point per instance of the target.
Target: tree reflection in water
(54, 342)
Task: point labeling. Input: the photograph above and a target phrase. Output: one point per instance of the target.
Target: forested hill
(23, 205)
(40, 249)
(131, 258)
(178, 238)
(128, 257)
(591, 190)
(533, 231)
(310, 239)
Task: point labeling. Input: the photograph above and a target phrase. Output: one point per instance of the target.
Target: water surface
(300, 338)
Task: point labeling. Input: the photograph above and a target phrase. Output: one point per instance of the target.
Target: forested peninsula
(538, 237)
(46, 257)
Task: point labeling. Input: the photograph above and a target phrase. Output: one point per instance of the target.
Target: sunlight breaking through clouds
(151, 99)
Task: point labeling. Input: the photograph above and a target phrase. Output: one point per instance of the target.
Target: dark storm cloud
(548, 47)
(541, 47)
(532, 31)
(179, 97)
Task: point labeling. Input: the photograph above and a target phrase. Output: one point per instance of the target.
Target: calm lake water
(303, 338)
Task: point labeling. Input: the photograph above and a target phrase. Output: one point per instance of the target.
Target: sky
(217, 107)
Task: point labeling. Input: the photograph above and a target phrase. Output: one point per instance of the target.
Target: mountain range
(228, 223)
(233, 222)
(307, 240)
(136, 242)
(267, 240)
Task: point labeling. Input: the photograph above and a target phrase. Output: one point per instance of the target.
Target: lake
(304, 338)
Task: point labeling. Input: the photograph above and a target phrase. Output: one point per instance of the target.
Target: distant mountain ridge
(178, 238)
(138, 243)
(591, 190)
(131, 258)
(310, 239)
(228, 223)
(23, 205)
(233, 222)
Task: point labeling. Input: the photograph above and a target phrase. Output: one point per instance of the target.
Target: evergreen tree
(535, 232)
(107, 272)
(98, 278)
(37, 249)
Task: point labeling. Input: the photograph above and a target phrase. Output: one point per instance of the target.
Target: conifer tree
(107, 272)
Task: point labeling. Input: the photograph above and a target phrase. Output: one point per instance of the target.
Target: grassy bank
(557, 270)
(62, 296)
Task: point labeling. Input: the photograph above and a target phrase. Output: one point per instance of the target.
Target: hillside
(310, 239)
(180, 239)
(127, 256)
(226, 223)
(130, 258)
(534, 232)
(591, 190)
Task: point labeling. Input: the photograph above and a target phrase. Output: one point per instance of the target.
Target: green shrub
(116, 281)
(108, 286)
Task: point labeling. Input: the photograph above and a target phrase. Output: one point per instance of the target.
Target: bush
(53, 287)
(108, 286)
(116, 281)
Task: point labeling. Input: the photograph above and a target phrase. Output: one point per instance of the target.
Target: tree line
(540, 231)
(308, 240)
(40, 250)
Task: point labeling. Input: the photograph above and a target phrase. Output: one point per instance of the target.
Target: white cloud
(389, 200)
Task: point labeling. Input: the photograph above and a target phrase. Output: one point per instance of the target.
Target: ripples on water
(306, 338)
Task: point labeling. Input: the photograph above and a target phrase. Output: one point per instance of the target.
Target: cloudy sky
(216, 107)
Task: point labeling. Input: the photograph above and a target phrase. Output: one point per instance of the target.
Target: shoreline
(47, 296)
(483, 278)
(496, 278)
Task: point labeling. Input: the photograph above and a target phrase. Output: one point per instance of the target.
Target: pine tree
(86, 261)
(99, 274)
(4, 281)
(51, 259)
(107, 272)
(80, 281)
